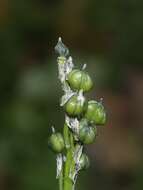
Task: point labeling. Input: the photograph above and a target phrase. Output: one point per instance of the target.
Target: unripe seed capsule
(84, 161)
(95, 113)
(78, 80)
(75, 106)
(87, 134)
(83, 123)
(56, 142)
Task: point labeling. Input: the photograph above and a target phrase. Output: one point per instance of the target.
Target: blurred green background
(108, 36)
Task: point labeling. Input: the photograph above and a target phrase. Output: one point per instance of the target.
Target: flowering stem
(68, 184)
(66, 136)
(81, 118)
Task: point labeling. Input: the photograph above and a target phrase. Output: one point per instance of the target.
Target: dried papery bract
(81, 120)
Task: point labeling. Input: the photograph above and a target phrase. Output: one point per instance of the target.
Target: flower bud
(95, 113)
(79, 80)
(56, 142)
(84, 161)
(87, 134)
(61, 49)
(75, 106)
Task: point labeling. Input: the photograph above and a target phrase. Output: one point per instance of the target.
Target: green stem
(66, 136)
(68, 183)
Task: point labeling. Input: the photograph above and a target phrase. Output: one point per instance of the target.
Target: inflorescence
(81, 120)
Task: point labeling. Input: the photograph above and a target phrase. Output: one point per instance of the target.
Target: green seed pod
(87, 134)
(95, 113)
(75, 106)
(56, 142)
(83, 123)
(84, 162)
(79, 80)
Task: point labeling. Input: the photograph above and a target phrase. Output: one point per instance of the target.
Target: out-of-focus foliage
(108, 36)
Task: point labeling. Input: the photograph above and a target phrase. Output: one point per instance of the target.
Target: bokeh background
(108, 36)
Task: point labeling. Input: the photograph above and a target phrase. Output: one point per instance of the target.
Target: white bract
(59, 165)
(73, 124)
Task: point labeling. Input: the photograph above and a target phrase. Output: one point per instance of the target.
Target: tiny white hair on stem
(81, 97)
(53, 129)
(101, 100)
(84, 66)
(76, 156)
(64, 68)
(59, 164)
(73, 124)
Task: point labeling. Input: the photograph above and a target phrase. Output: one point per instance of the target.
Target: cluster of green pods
(92, 110)
(89, 113)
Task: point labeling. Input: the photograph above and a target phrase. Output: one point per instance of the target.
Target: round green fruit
(83, 123)
(75, 106)
(56, 142)
(87, 134)
(95, 113)
(84, 161)
(78, 80)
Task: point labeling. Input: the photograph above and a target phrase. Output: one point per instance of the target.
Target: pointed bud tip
(60, 39)
(61, 49)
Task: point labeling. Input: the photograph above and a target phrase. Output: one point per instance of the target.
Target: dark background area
(108, 36)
